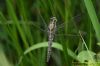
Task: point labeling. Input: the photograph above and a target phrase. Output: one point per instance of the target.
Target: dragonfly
(51, 31)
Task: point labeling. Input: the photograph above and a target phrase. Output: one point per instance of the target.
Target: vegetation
(24, 39)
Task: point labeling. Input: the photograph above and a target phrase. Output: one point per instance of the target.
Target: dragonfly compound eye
(53, 19)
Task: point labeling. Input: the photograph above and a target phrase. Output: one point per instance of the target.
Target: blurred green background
(24, 37)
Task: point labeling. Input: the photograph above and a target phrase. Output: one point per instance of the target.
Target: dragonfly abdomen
(49, 50)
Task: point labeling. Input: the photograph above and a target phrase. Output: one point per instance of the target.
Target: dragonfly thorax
(52, 24)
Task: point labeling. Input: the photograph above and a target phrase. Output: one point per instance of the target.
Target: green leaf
(3, 59)
(45, 44)
(85, 56)
(98, 44)
(93, 17)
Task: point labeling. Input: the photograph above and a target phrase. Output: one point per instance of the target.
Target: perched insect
(51, 30)
(51, 33)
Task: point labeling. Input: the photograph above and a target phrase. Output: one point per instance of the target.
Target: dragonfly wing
(62, 25)
(68, 35)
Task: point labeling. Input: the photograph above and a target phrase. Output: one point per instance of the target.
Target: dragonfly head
(53, 19)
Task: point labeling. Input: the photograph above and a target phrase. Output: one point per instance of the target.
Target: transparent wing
(44, 22)
(76, 18)
(41, 25)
